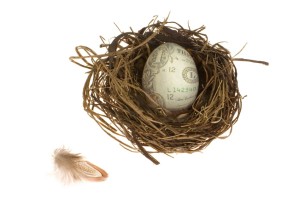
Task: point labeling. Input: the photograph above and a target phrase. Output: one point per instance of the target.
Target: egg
(170, 77)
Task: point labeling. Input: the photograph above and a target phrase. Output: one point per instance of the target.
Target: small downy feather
(72, 167)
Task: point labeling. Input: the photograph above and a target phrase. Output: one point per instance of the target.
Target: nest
(114, 97)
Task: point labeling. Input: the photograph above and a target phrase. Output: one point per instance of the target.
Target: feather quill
(72, 167)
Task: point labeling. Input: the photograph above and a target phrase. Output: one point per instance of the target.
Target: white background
(41, 102)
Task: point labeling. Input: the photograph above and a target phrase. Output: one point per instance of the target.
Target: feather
(72, 167)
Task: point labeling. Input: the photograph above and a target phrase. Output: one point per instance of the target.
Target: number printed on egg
(182, 89)
(172, 69)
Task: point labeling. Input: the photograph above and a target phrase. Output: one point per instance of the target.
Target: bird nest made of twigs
(114, 97)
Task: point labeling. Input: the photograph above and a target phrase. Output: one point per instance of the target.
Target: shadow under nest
(113, 94)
